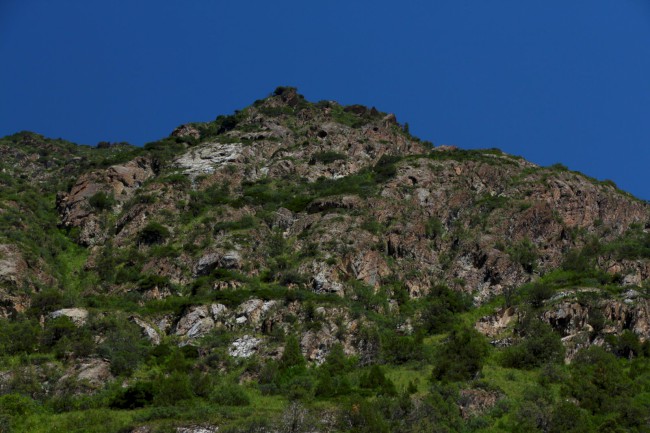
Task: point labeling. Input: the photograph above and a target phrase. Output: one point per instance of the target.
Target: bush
(292, 356)
(153, 233)
(102, 201)
(461, 356)
(434, 228)
(18, 337)
(362, 417)
(376, 380)
(172, 389)
(123, 345)
(398, 349)
(540, 345)
(537, 293)
(525, 254)
(441, 308)
(230, 395)
(626, 345)
(599, 382)
(135, 396)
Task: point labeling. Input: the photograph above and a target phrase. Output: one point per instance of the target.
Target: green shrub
(214, 195)
(173, 389)
(362, 417)
(376, 380)
(102, 201)
(332, 379)
(625, 345)
(535, 294)
(398, 349)
(140, 394)
(327, 157)
(434, 228)
(153, 233)
(539, 345)
(148, 282)
(441, 307)
(19, 337)
(524, 253)
(386, 168)
(246, 222)
(461, 356)
(347, 118)
(123, 346)
(599, 382)
(230, 395)
(292, 357)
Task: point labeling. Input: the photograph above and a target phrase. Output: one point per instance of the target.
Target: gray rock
(254, 311)
(218, 311)
(324, 281)
(205, 159)
(231, 260)
(244, 347)
(208, 262)
(92, 373)
(195, 323)
(147, 330)
(198, 429)
(78, 316)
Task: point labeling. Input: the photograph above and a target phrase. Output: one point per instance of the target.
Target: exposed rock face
(197, 429)
(369, 267)
(492, 326)
(87, 376)
(147, 330)
(316, 345)
(186, 131)
(435, 215)
(78, 316)
(573, 319)
(474, 402)
(13, 274)
(244, 347)
(11, 264)
(118, 181)
(227, 260)
(195, 323)
(252, 312)
(207, 158)
(325, 279)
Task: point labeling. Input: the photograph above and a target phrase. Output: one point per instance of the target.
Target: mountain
(207, 267)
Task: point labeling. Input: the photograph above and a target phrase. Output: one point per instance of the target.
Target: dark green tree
(461, 356)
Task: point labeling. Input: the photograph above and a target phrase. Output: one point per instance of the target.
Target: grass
(511, 381)
(403, 375)
(95, 420)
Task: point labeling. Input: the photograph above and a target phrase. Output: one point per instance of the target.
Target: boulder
(78, 316)
(196, 322)
(244, 347)
(217, 259)
(253, 311)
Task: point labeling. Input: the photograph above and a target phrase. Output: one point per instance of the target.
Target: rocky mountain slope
(326, 222)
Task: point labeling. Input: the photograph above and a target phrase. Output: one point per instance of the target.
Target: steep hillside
(203, 267)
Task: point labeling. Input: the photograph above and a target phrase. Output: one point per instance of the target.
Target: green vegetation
(102, 201)
(327, 157)
(153, 233)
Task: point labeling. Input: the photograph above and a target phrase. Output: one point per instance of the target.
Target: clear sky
(550, 80)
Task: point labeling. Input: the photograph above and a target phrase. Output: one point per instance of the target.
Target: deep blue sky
(550, 80)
